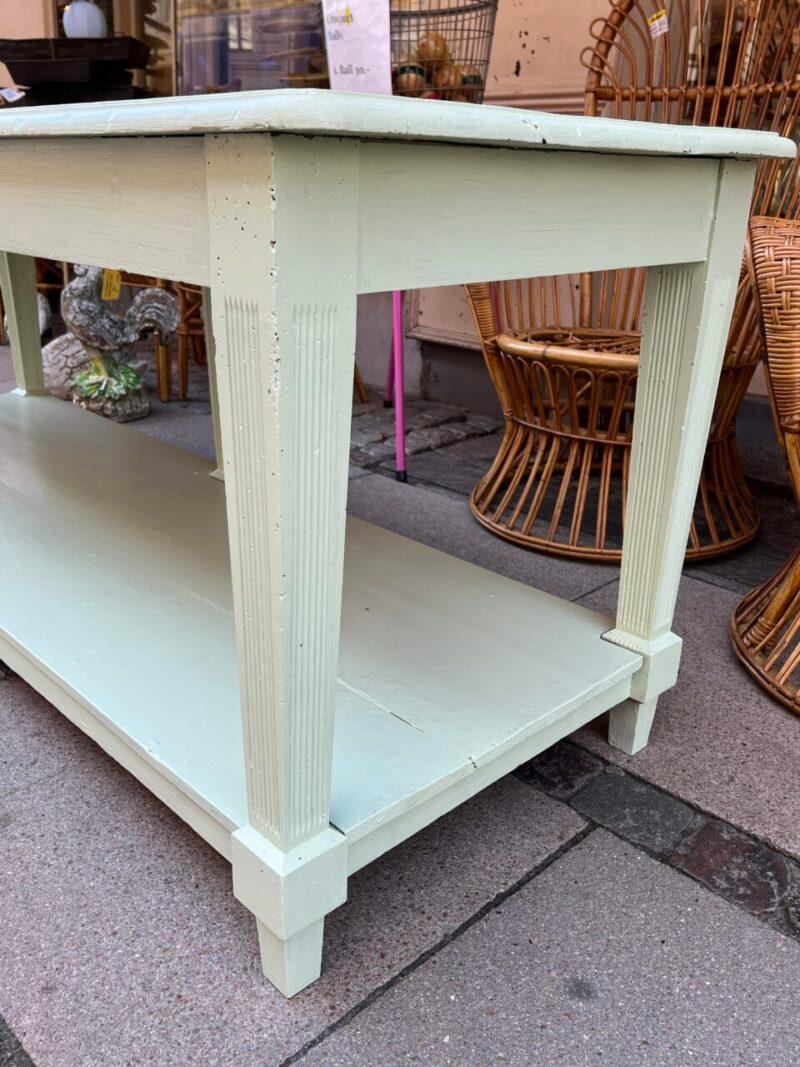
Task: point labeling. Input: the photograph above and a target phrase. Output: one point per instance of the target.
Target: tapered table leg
(283, 232)
(18, 284)
(687, 313)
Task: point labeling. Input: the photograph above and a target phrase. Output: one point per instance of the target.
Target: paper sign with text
(358, 45)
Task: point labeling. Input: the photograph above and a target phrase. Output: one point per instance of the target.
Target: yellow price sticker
(112, 285)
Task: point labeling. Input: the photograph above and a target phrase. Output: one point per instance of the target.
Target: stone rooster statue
(91, 363)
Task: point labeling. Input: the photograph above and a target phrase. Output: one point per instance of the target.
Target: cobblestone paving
(735, 866)
(428, 426)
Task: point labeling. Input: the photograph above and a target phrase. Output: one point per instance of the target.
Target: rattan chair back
(725, 63)
(766, 625)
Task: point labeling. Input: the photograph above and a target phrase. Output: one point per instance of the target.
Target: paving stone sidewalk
(607, 957)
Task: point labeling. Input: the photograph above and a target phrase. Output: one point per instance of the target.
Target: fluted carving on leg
(283, 236)
(688, 309)
(319, 505)
(654, 430)
(300, 652)
(259, 658)
(283, 307)
(672, 417)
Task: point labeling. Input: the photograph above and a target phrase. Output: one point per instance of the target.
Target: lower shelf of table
(115, 602)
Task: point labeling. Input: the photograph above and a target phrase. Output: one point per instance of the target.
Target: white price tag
(11, 95)
(658, 23)
(358, 45)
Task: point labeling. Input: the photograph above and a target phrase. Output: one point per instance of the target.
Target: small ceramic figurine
(91, 363)
(83, 18)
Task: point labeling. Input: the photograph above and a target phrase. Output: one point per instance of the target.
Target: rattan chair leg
(360, 388)
(199, 350)
(725, 515)
(164, 372)
(183, 367)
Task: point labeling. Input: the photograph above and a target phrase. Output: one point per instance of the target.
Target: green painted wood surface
(315, 111)
(115, 576)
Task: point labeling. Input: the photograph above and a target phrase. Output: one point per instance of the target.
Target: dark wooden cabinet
(62, 70)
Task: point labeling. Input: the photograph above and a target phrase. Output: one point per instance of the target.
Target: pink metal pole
(398, 363)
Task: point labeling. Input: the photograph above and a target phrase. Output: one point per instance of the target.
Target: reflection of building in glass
(227, 45)
(191, 8)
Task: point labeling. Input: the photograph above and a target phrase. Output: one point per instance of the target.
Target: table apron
(443, 215)
(427, 214)
(134, 203)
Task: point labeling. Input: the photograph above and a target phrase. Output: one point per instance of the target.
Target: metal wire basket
(441, 48)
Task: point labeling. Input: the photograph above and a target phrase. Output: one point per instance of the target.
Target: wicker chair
(765, 627)
(563, 352)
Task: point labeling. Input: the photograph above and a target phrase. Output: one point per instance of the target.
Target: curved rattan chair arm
(592, 359)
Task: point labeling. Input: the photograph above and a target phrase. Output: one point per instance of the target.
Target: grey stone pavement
(590, 908)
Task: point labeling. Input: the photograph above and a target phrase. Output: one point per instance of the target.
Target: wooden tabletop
(327, 113)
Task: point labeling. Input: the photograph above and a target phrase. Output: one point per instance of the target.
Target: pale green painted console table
(191, 627)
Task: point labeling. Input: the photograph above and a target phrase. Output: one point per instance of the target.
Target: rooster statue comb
(100, 329)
